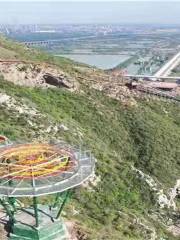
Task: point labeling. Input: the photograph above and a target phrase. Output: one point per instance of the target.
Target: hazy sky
(144, 11)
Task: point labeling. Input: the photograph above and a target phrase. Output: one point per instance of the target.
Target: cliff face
(36, 75)
(136, 141)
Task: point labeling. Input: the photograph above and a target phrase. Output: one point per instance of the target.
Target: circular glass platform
(41, 169)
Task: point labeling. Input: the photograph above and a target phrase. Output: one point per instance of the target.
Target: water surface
(99, 61)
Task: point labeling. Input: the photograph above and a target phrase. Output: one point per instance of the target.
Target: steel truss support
(67, 194)
(8, 210)
(35, 206)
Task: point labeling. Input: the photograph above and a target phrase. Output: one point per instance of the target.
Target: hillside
(136, 141)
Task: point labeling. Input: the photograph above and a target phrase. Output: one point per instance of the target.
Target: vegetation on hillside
(10, 50)
(146, 136)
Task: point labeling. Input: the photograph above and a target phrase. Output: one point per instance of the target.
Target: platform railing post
(56, 200)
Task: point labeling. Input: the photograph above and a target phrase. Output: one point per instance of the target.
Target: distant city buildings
(97, 29)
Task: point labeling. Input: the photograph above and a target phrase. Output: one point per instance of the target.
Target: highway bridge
(37, 43)
(44, 42)
(163, 73)
(54, 41)
(151, 77)
(166, 69)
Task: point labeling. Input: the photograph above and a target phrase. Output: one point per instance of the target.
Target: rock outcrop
(37, 75)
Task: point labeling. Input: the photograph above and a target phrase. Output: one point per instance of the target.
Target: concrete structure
(48, 229)
(163, 73)
(53, 41)
(165, 70)
(163, 85)
(150, 77)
